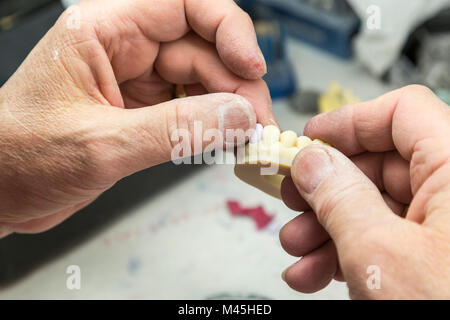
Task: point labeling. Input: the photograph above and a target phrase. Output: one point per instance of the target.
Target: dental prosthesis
(268, 158)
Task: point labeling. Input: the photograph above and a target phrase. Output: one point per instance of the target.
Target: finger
(232, 30)
(386, 123)
(345, 201)
(388, 171)
(192, 60)
(146, 90)
(314, 271)
(290, 196)
(128, 141)
(303, 234)
(148, 22)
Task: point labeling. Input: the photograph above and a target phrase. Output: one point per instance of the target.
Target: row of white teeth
(271, 134)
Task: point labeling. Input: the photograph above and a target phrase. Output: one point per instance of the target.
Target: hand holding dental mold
(393, 161)
(92, 103)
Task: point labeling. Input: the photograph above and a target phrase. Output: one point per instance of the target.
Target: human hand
(91, 105)
(399, 150)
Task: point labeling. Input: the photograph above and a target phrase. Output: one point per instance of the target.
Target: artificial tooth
(288, 139)
(303, 142)
(271, 134)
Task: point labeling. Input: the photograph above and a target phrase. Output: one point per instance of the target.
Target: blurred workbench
(184, 244)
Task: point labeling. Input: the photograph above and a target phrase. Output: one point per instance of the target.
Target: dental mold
(269, 156)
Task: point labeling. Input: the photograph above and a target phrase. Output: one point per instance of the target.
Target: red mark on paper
(258, 214)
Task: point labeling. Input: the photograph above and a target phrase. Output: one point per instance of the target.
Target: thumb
(141, 138)
(345, 201)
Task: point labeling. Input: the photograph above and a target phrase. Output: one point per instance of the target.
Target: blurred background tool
(336, 97)
(306, 102)
(326, 24)
(280, 76)
(425, 58)
(313, 102)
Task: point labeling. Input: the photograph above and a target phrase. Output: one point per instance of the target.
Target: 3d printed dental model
(268, 158)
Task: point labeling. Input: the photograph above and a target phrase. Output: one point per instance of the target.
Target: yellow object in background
(179, 91)
(336, 97)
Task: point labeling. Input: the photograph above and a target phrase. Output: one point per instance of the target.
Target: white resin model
(269, 156)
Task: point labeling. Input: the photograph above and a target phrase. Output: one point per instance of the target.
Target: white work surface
(184, 244)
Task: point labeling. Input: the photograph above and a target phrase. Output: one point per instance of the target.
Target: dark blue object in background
(326, 24)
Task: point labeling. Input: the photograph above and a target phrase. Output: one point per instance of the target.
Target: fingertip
(244, 65)
(310, 127)
(314, 271)
(231, 28)
(335, 128)
(250, 66)
(302, 235)
(238, 47)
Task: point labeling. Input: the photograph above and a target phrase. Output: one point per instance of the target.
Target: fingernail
(234, 115)
(311, 166)
(283, 274)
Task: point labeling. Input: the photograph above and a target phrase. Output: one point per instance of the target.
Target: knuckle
(95, 152)
(87, 158)
(92, 156)
(183, 116)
